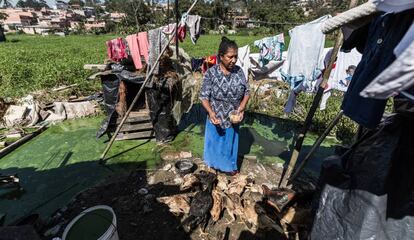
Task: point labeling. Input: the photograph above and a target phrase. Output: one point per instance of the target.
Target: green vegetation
(30, 63)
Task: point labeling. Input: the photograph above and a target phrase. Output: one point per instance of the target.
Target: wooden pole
(308, 121)
(316, 145)
(101, 160)
(177, 16)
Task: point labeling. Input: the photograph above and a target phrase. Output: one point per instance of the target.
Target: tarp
(368, 192)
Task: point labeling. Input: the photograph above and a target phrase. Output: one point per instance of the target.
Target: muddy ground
(140, 216)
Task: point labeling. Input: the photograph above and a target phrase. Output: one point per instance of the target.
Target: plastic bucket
(95, 223)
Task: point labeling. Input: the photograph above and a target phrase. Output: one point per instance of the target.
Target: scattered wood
(58, 89)
(135, 135)
(95, 67)
(20, 142)
(121, 106)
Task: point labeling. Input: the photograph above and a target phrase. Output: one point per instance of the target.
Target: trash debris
(278, 198)
(143, 191)
(187, 155)
(167, 167)
(185, 166)
(53, 231)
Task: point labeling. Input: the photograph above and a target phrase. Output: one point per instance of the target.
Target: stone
(186, 155)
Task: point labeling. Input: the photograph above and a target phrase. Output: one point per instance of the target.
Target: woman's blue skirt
(221, 147)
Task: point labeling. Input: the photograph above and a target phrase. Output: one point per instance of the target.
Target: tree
(3, 16)
(6, 3)
(32, 4)
(76, 2)
(138, 13)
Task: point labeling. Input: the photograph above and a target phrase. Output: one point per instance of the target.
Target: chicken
(177, 204)
(189, 181)
(202, 202)
(217, 205)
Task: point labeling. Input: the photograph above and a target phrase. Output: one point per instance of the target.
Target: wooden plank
(136, 127)
(136, 119)
(95, 66)
(136, 135)
(20, 142)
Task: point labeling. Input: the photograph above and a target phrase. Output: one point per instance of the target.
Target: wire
(253, 21)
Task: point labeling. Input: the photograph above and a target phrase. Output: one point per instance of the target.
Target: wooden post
(177, 16)
(315, 103)
(147, 78)
(316, 145)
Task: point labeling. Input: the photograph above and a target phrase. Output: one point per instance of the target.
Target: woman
(224, 89)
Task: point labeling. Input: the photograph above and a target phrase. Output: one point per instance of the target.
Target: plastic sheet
(368, 192)
(160, 101)
(110, 87)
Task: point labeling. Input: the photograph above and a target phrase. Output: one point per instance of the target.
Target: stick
(316, 145)
(311, 113)
(312, 110)
(101, 160)
(20, 142)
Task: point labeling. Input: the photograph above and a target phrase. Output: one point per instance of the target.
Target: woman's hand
(240, 110)
(213, 118)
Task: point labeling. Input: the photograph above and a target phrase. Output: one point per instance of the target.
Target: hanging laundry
(208, 63)
(243, 60)
(394, 6)
(138, 46)
(380, 37)
(405, 42)
(271, 48)
(398, 77)
(341, 74)
(306, 46)
(157, 41)
(305, 61)
(300, 84)
(193, 23)
(116, 49)
(170, 30)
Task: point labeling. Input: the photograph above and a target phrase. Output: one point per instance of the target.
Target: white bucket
(95, 223)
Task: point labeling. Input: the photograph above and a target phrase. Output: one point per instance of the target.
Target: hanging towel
(306, 46)
(243, 60)
(193, 23)
(138, 46)
(271, 48)
(157, 41)
(116, 49)
(170, 29)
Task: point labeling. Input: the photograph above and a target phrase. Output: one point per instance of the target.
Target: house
(116, 16)
(62, 5)
(94, 26)
(16, 18)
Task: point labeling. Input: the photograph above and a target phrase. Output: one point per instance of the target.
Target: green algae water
(62, 161)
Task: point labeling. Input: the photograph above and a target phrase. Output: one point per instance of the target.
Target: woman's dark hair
(225, 45)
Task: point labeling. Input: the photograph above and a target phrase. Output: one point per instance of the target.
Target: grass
(32, 63)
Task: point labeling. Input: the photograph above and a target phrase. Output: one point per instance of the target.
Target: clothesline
(253, 21)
